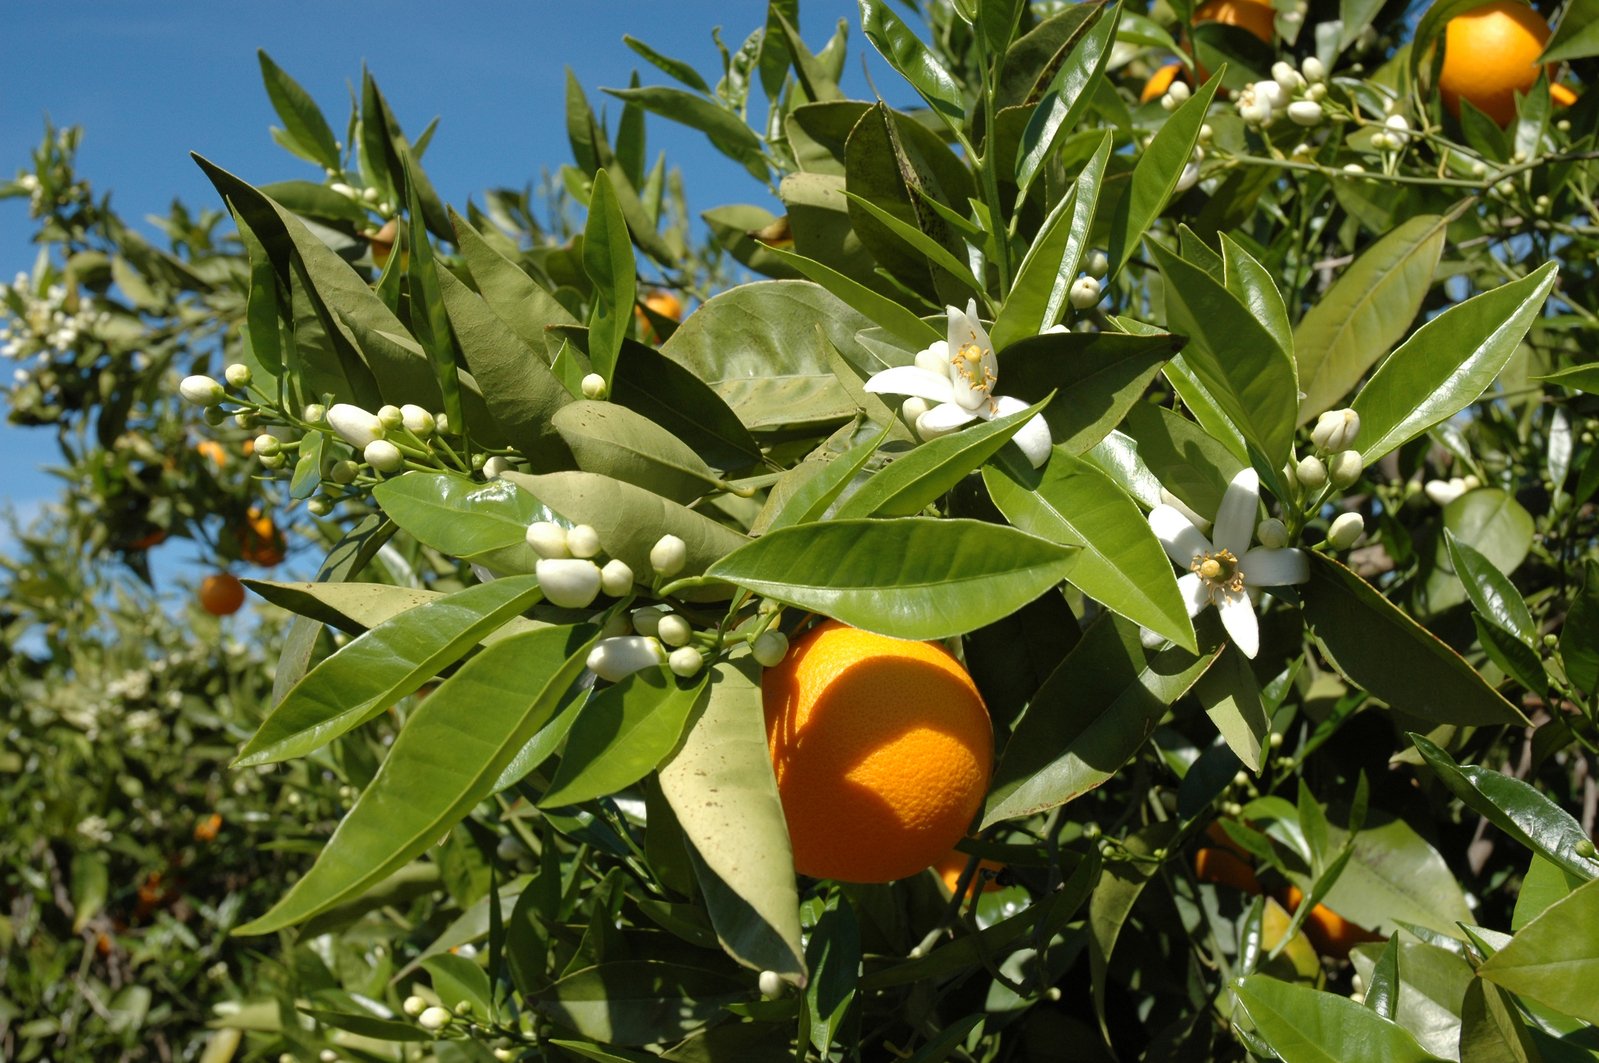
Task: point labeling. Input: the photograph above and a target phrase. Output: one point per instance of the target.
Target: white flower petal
(1235, 520)
(1274, 568)
(972, 381)
(1238, 617)
(1182, 507)
(1183, 541)
(934, 358)
(911, 380)
(942, 419)
(1195, 592)
(1033, 437)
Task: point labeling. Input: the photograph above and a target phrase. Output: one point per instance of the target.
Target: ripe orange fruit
(260, 542)
(951, 864)
(1226, 869)
(1562, 95)
(1258, 18)
(1331, 933)
(207, 829)
(659, 301)
(882, 750)
(1490, 54)
(221, 594)
(210, 448)
(1160, 81)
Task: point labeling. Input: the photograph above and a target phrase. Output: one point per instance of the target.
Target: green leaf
(1579, 635)
(1490, 591)
(908, 55)
(1067, 97)
(1367, 310)
(911, 577)
(1554, 959)
(458, 979)
(1492, 1029)
(724, 128)
(638, 1002)
(1488, 520)
(674, 68)
(90, 884)
(1099, 377)
(622, 734)
(308, 469)
(482, 523)
(1121, 563)
(915, 480)
(445, 760)
(1190, 463)
(1231, 698)
(812, 498)
(429, 319)
(1115, 893)
(1577, 378)
(1447, 363)
(1393, 877)
(519, 301)
(1392, 657)
(1577, 36)
(1305, 1025)
(1517, 809)
(371, 672)
(350, 607)
(300, 115)
(919, 243)
(900, 322)
(1425, 986)
(833, 956)
(611, 439)
(368, 1025)
(1090, 717)
(608, 261)
(1544, 883)
(1252, 283)
(1238, 360)
(720, 785)
(1155, 176)
(677, 400)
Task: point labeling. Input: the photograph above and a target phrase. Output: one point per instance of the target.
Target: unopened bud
(1305, 112)
(390, 417)
(616, 578)
(1336, 430)
(771, 985)
(1443, 492)
(434, 1018)
(273, 461)
(593, 387)
(569, 582)
(1311, 472)
(547, 539)
(237, 375)
(354, 425)
(495, 466)
(617, 625)
(266, 445)
(417, 421)
(1345, 468)
(1314, 69)
(1346, 529)
(647, 621)
(314, 413)
(583, 541)
(383, 456)
(674, 630)
(1272, 533)
(201, 390)
(1286, 76)
(248, 420)
(1097, 265)
(769, 648)
(668, 556)
(616, 658)
(414, 1006)
(319, 507)
(685, 661)
(1084, 293)
(344, 472)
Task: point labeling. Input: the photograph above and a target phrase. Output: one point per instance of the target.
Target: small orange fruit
(882, 750)
(952, 864)
(221, 594)
(207, 829)
(1331, 933)
(260, 541)
(382, 243)
(1562, 95)
(154, 537)
(661, 302)
(1226, 869)
(1490, 54)
(1258, 18)
(1160, 81)
(210, 448)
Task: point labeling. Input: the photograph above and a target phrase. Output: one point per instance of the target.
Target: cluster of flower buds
(1395, 134)
(366, 197)
(33, 321)
(1335, 461)
(1296, 93)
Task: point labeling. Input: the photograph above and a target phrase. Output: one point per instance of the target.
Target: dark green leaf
(299, 113)
(608, 261)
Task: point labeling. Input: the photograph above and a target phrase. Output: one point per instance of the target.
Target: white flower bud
(647, 621)
(674, 630)
(1398, 129)
(417, 421)
(616, 578)
(1443, 492)
(1336, 430)
(273, 461)
(1311, 472)
(1188, 178)
(1098, 264)
(593, 386)
(344, 472)
(1470, 482)
(1305, 112)
(318, 507)
(1286, 76)
(434, 1018)
(383, 456)
(344, 190)
(1317, 92)
(327, 1055)
(237, 375)
(935, 358)
(1272, 93)
(441, 422)
(314, 413)
(569, 582)
(583, 541)
(1345, 468)
(354, 425)
(248, 420)
(1084, 293)
(547, 539)
(1314, 69)
(771, 985)
(1272, 533)
(201, 390)
(1178, 93)
(494, 466)
(615, 659)
(267, 444)
(685, 661)
(668, 556)
(390, 417)
(1346, 530)
(414, 1006)
(769, 648)
(1354, 168)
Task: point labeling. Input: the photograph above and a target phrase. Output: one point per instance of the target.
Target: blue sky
(152, 82)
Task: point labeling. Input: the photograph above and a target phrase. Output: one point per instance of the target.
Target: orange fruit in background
(882, 750)
(221, 594)
(382, 242)
(1331, 933)
(659, 301)
(210, 448)
(1160, 81)
(260, 541)
(1258, 18)
(207, 829)
(1225, 868)
(1562, 95)
(1490, 54)
(950, 866)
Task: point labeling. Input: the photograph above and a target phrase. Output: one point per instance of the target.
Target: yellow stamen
(1219, 570)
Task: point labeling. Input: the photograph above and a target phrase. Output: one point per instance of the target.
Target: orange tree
(1237, 443)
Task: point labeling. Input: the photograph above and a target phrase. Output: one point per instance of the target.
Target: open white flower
(1225, 571)
(959, 375)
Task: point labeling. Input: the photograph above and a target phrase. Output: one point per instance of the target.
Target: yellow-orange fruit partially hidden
(1226, 869)
(1490, 54)
(1331, 933)
(1562, 95)
(260, 541)
(882, 750)
(1259, 19)
(1159, 82)
(952, 864)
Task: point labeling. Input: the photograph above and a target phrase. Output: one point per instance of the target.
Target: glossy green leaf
(1252, 283)
(723, 127)
(1190, 464)
(1089, 718)
(1490, 591)
(1238, 360)
(720, 785)
(1305, 1025)
(90, 883)
(611, 439)
(308, 469)
(1516, 808)
(918, 242)
(1121, 563)
(915, 480)
(1492, 1029)
(371, 672)
(1554, 959)
(1447, 363)
(1579, 635)
(1067, 97)
(1577, 378)
(1426, 995)
(902, 323)
(1115, 893)
(1544, 883)
(675, 68)
(350, 607)
(1577, 35)
(608, 261)
(638, 1002)
(485, 523)
(908, 55)
(444, 761)
(812, 498)
(622, 734)
(1393, 878)
(1488, 520)
(1367, 310)
(518, 300)
(1099, 376)
(299, 113)
(1231, 698)
(1392, 657)
(833, 957)
(458, 979)
(911, 577)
